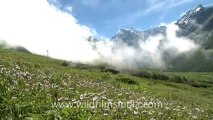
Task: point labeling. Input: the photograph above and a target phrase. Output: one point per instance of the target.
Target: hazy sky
(107, 16)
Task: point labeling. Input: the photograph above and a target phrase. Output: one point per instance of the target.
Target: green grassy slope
(34, 87)
(201, 60)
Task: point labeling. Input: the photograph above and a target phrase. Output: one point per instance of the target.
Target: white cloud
(151, 51)
(69, 8)
(39, 26)
(182, 44)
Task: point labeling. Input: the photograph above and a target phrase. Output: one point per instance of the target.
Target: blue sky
(107, 16)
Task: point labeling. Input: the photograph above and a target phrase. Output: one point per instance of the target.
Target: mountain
(132, 36)
(21, 49)
(200, 18)
(5, 45)
(197, 24)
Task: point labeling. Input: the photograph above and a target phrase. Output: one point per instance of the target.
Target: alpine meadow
(106, 60)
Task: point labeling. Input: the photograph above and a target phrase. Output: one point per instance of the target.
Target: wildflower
(105, 114)
(197, 109)
(143, 98)
(94, 98)
(14, 97)
(184, 108)
(194, 116)
(104, 97)
(17, 67)
(135, 112)
(81, 97)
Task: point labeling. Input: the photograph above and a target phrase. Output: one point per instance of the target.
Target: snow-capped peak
(198, 8)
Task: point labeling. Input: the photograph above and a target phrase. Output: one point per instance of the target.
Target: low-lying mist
(155, 52)
(39, 26)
